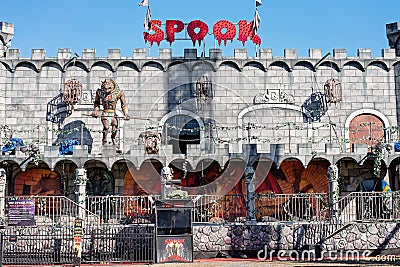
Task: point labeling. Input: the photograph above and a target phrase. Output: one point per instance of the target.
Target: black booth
(174, 234)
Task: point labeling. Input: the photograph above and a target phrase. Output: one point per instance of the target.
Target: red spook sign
(197, 30)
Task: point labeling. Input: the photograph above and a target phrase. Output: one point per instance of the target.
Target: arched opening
(366, 129)
(181, 131)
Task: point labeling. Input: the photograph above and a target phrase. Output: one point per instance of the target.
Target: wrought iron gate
(37, 245)
(51, 239)
(119, 243)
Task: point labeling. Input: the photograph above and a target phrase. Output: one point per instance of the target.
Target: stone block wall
(287, 237)
(159, 88)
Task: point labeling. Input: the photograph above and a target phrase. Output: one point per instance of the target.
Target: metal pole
(1, 248)
(82, 134)
(250, 193)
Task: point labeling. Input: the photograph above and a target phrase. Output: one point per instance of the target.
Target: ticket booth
(174, 231)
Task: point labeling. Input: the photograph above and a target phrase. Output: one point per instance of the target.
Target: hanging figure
(108, 95)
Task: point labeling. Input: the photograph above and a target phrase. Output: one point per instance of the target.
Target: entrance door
(366, 129)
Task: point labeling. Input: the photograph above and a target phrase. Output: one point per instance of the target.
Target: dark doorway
(181, 131)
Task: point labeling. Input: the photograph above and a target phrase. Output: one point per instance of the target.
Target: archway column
(3, 183)
(80, 191)
(250, 194)
(333, 184)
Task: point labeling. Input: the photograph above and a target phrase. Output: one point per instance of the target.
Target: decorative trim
(273, 96)
(374, 112)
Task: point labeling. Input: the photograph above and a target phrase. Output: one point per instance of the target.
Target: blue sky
(301, 24)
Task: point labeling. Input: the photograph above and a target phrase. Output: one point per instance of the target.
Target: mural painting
(100, 182)
(38, 181)
(142, 182)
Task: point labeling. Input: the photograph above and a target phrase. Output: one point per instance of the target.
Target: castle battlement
(215, 57)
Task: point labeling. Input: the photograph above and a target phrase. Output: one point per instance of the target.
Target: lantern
(72, 92)
(333, 91)
(203, 88)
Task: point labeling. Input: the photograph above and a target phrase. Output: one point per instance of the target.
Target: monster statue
(108, 95)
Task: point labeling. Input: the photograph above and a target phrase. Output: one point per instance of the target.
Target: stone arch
(199, 65)
(80, 65)
(129, 64)
(52, 64)
(268, 176)
(305, 64)
(147, 177)
(37, 181)
(255, 64)
(179, 112)
(102, 64)
(354, 64)
(379, 64)
(66, 169)
(180, 63)
(366, 112)
(280, 64)
(260, 107)
(28, 65)
(330, 64)
(153, 64)
(101, 181)
(12, 168)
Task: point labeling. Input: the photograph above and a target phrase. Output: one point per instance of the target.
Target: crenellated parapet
(165, 60)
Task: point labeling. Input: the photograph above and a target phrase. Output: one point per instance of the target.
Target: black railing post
(1, 248)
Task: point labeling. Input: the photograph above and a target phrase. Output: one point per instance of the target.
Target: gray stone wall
(288, 237)
(158, 87)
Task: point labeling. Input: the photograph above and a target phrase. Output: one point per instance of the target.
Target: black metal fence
(119, 243)
(55, 245)
(37, 245)
(49, 234)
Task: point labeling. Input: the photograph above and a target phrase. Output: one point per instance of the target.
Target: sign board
(174, 248)
(21, 212)
(197, 30)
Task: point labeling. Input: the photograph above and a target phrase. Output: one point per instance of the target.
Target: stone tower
(393, 35)
(6, 34)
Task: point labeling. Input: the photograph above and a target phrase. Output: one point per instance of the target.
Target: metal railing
(292, 207)
(367, 207)
(50, 210)
(219, 209)
(122, 209)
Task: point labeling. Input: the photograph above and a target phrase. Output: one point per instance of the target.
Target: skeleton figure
(108, 95)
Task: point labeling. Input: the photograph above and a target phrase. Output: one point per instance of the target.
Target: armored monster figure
(108, 95)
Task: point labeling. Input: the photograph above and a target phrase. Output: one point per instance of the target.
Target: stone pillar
(250, 194)
(3, 183)
(80, 191)
(333, 184)
(393, 36)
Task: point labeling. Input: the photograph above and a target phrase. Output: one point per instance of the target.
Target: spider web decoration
(314, 107)
(58, 110)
